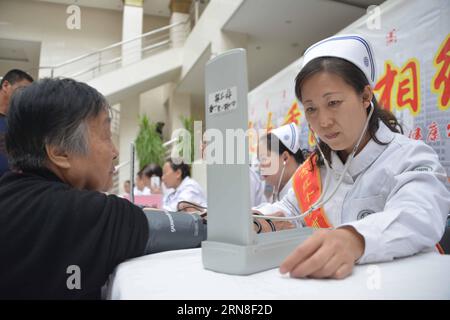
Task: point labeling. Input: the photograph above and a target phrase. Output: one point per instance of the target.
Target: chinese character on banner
(269, 125)
(385, 84)
(391, 37)
(311, 139)
(402, 84)
(416, 134)
(408, 93)
(433, 132)
(440, 84)
(293, 115)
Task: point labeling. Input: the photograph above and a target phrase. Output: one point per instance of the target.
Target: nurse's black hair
(272, 140)
(353, 76)
(180, 165)
(152, 169)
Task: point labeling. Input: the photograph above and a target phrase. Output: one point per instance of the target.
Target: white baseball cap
(352, 47)
(289, 135)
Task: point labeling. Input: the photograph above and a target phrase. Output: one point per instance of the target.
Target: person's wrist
(257, 226)
(356, 240)
(267, 225)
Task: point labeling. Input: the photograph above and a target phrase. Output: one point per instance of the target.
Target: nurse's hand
(326, 254)
(279, 225)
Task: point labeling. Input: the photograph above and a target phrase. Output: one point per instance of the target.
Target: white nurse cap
(353, 48)
(289, 135)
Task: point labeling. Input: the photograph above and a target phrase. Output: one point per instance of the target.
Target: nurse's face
(270, 164)
(335, 111)
(171, 178)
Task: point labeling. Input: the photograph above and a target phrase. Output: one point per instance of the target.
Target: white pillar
(129, 127)
(132, 21)
(179, 34)
(180, 13)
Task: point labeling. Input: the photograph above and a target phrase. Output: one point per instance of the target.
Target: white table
(180, 275)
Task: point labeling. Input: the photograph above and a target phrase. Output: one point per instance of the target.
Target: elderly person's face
(94, 171)
(334, 110)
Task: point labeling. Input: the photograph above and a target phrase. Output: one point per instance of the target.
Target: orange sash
(308, 187)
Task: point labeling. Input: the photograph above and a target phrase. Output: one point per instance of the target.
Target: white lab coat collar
(183, 183)
(367, 155)
(172, 192)
(284, 191)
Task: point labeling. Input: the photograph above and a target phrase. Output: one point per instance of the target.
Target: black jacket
(51, 233)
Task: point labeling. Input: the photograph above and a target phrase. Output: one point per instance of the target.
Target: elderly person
(60, 236)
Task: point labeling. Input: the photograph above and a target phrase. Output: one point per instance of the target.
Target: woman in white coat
(279, 165)
(375, 194)
(177, 177)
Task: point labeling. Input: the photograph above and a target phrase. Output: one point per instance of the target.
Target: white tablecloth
(180, 275)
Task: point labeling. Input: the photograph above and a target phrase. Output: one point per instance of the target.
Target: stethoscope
(322, 200)
(277, 191)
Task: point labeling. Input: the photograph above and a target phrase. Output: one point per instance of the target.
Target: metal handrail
(99, 52)
(115, 60)
(113, 46)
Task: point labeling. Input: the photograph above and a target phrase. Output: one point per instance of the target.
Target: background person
(11, 81)
(177, 177)
(278, 166)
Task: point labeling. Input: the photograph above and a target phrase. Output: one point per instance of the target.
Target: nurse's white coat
(394, 195)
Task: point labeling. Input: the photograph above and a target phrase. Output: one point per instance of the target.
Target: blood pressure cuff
(173, 231)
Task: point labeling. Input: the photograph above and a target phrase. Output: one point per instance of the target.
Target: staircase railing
(93, 64)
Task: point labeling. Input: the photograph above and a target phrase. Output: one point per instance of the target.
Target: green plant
(149, 146)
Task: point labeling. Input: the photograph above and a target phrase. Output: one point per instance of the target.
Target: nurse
(278, 166)
(374, 194)
(177, 177)
(257, 187)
